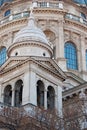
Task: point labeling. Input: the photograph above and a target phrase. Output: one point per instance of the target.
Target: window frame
(70, 53)
(7, 13)
(2, 55)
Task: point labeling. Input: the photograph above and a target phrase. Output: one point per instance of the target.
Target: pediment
(48, 65)
(11, 62)
(51, 65)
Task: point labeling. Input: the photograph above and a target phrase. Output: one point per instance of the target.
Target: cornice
(76, 24)
(11, 24)
(29, 43)
(52, 62)
(31, 60)
(14, 22)
(74, 90)
(49, 10)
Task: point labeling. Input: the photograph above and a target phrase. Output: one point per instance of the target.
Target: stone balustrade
(76, 18)
(37, 5)
(14, 17)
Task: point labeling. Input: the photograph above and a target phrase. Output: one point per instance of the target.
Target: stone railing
(76, 18)
(48, 4)
(14, 17)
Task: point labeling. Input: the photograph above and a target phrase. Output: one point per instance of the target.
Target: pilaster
(26, 90)
(32, 87)
(61, 39)
(83, 57)
(60, 46)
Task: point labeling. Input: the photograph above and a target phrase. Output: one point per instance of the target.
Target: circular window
(16, 53)
(44, 54)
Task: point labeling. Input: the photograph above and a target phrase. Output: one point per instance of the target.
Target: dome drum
(30, 49)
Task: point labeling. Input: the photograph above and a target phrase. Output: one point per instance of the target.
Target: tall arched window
(83, 15)
(18, 93)
(50, 98)
(86, 58)
(7, 13)
(40, 93)
(8, 95)
(2, 55)
(71, 55)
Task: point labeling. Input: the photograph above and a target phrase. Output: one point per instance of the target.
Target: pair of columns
(13, 95)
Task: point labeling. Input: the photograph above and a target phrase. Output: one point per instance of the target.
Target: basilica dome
(80, 1)
(30, 41)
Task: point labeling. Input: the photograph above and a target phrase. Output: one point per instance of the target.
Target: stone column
(58, 102)
(13, 97)
(13, 93)
(45, 98)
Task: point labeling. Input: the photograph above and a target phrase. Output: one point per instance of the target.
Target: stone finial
(31, 18)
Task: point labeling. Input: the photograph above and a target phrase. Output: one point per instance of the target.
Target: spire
(31, 18)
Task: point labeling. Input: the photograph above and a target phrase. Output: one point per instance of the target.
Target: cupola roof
(31, 32)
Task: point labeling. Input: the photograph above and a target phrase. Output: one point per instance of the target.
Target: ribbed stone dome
(31, 32)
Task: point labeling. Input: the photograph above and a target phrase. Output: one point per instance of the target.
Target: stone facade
(31, 62)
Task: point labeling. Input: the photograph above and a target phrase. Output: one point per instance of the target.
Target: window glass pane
(7, 13)
(83, 15)
(2, 55)
(71, 55)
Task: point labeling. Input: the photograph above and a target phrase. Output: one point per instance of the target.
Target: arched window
(83, 15)
(18, 93)
(8, 95)
(40, 93)
(50, 98)
(71, 55)
(7, 13)
(2, 55)
(1, 2)
(86, 58)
